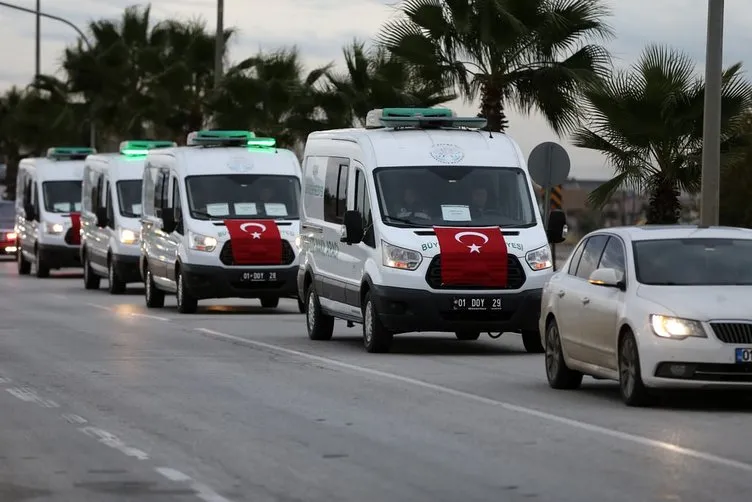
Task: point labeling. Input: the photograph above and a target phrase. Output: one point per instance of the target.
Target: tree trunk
(12, 158)
(492, 108)
(664, 207)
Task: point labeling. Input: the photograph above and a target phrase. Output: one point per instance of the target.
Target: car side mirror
(353, 227)
(608, 278)
(101, 214)
(556, 230)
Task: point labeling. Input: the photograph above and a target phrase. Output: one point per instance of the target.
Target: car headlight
(397, 257)
(676, 328)
(200, 242)
(127, 236)
(54, 228)
(539, 259)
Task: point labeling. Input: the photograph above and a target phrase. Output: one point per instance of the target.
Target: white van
(220, 220)
(421, 222)
(48, 205)
(111, 215)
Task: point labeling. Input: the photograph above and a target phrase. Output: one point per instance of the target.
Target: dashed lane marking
(111, 440)
(30, 396)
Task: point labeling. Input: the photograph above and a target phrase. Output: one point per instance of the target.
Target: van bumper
(126, 267)
(404, 310)
(58, 256)
(206, 281)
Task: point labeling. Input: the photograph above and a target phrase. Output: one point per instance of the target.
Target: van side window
(160, 191)
(97, 194)
(108, 205)
(363, 206)
(335, 192)
(176, 204)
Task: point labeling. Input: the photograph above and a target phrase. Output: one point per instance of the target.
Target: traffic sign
(549, 164)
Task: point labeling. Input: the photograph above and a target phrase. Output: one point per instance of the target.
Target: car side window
(576, 258)
(613, 256)
(591, 255)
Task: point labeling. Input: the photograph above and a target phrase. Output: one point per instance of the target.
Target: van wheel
(269, 302)
(320, 326)
(154, 296)
(91, 279)
(116, 286)
(467, 335)
(532, 341)
(558, 373)
(43, 271)
(24, 267)
(187, 303)
(376, 338)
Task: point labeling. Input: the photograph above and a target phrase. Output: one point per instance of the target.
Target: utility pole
(219, 43)
(711, 134)
(39, 40)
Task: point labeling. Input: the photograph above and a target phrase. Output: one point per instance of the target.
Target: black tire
(91, 279)
(632, 389)
(320, 326)
(24, 266)
(532, 341)
(115, 286)
(269, 302)
(42, 270)
(154, 296)
(376, 338)
(301, 305)
(558, 373)
(467, 335)
(187, 303)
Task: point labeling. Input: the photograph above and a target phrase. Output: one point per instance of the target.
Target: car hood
(702, 303)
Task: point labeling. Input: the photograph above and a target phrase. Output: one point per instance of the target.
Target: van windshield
(129, 198)
(243, 196)
(461, 196)
(62, 196)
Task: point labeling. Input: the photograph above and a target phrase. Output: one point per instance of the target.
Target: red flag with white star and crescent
(472, 256)
(255, 242)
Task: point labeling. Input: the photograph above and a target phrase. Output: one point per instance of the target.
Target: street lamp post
(38, 54)
(219, 42)
(40, 14)
(711, 134)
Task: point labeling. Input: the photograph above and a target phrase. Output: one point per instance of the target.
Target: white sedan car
(652, 307)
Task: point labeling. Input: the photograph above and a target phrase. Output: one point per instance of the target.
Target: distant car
(7, 224)
(652, 307)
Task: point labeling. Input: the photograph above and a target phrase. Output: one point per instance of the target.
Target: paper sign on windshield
(61, 207)
(275, 209)
(455, 213)
(245, 208)
(136, 209)
(219, 209)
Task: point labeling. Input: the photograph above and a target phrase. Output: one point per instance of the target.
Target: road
(103, 400)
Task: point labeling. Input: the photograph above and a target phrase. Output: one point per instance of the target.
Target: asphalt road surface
(102, 399)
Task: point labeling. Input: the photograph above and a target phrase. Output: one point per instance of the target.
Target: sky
(320, 28)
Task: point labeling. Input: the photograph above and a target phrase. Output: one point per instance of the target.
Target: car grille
(225, 256)
(733, 332)
(515, 275)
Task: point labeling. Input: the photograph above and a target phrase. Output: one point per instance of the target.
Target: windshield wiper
(397, 219)
(204, 215)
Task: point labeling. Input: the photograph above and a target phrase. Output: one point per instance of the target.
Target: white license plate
(743, 355)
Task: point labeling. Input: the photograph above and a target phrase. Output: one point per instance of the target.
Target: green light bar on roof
(138, 148)
(262, 142)
(416, 113)
(69, 152)
(220, 138)
(420, 118)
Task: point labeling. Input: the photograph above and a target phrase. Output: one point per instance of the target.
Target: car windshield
(454, 195)
(62, 196)
(243, 196)
(129, 198)
(694, 262)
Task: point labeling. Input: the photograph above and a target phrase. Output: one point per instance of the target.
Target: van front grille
(515, 275)
(225, 256)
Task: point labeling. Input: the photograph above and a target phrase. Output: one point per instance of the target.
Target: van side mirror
(28, 211)
(556, 229)
(101, 214)
(353, 227)
(168, 221)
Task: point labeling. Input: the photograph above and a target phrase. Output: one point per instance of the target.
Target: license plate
(744, 355)
(476, 303)
(258, 276)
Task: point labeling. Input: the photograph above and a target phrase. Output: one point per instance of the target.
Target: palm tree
(376, 78)
(532, 54)
(648, 122)
(736, 178)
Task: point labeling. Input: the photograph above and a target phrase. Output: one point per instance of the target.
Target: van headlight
(53, 228)
(127, 236)
(200, 242)
(539, 259)
(298, 243)
(397, 257)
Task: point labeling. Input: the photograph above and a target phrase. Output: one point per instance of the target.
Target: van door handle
(561, 293)
(585, 301)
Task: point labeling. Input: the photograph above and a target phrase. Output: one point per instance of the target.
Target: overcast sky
(321, 27)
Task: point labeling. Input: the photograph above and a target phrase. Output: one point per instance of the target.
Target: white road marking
(4, 380)
(172, 474)
(30, 396)
(74, 419)
(113, 441)
(597, 429)
(97, 306)
(148, 316)
(56, 295)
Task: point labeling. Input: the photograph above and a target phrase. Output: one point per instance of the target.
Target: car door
(604, 306)
(172, 240)
(575, 307)
(333, 266)
(358, 254)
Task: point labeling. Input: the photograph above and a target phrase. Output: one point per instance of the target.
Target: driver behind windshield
(479, 202)
(411, 206)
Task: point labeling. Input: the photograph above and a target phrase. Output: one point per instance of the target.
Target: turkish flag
(472, 256)
(255, 242)
(75, 219)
